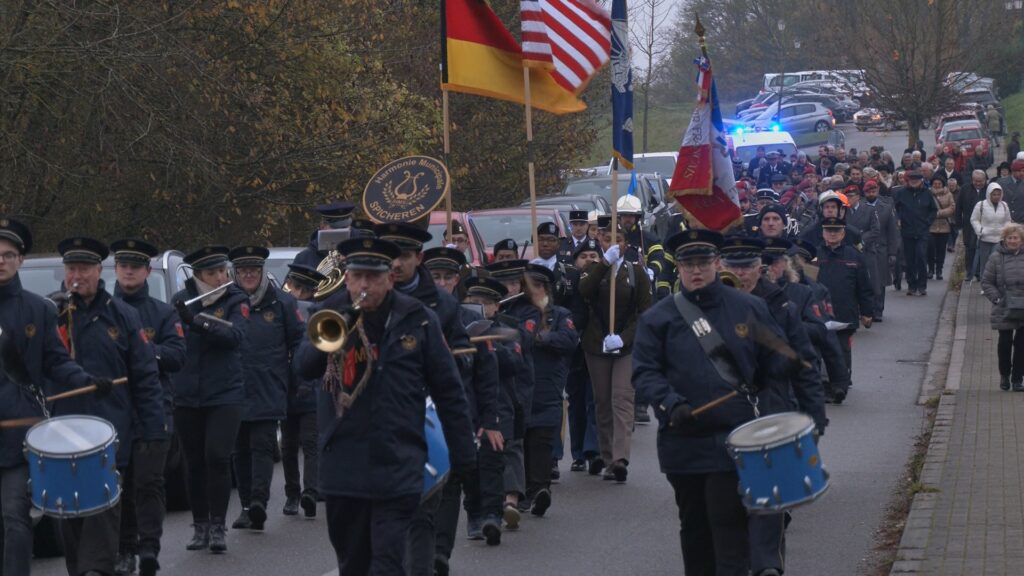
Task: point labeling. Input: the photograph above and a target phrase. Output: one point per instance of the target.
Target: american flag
(572, 38)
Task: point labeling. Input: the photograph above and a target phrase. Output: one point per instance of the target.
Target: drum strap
(712, 343)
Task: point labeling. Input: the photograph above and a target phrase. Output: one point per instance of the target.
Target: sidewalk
(968, 515)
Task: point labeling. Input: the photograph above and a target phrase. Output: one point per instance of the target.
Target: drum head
(769, 430)
(69, 435)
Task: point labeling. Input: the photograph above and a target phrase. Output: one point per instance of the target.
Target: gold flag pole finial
(699, 30)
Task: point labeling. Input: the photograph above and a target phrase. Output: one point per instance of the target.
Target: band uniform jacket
(510, 365)
(670, 366)
(524, 316)
(554, 341)
(377, 450)
(481, 379)
(302, 391)
(33, 356)
(273, 334)
(445, 306)
(815, 313)
(163, 329)
(109, 342)
(213, 374)
(844, 272)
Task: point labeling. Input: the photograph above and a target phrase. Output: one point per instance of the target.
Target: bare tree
(650, 39)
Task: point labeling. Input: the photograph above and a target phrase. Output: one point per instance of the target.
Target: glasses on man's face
(695, 265)
(249, 271)
(9, 256)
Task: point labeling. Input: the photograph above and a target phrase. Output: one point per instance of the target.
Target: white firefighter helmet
(629, 204)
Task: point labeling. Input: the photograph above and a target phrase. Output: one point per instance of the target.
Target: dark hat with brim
(547, 229)
(443, 258)
(371, 254)
(506, 244)
(405, 236)
(804, 249)
(248, 256)
(132, 251)
(694, 244)
(82, 250)
(485, 288)
(742, 249)
(457, 228)
(833, 224)
(578, 216)
(208, 257)
(767, 194)
(775, 248)
(335, 210)
(16, 233)
(362, 228)
(540, 272)
(506, 269)
(778, 178)
(306, 276)
(588, 245)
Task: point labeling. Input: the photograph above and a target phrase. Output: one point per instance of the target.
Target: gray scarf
(203, 288)
(256, 297)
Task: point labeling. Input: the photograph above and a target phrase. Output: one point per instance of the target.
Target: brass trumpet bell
(729, 279)
(328, 330)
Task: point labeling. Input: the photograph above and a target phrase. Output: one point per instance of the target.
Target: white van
(743, 144)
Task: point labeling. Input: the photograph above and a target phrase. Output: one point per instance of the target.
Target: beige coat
(947, 207)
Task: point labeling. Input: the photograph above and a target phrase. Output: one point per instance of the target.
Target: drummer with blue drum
(372, 444)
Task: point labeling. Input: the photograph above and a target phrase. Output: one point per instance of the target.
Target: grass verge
(665, 124)
(1013, 109)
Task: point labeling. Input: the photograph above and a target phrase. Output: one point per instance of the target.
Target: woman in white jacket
(988, 219)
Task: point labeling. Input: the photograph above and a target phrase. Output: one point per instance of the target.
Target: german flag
(480, 56)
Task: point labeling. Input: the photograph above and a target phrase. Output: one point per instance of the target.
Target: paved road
(895, 142)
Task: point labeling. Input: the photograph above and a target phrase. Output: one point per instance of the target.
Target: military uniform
(273, 334)
(108, 340)
(143, 503)
(372, 455)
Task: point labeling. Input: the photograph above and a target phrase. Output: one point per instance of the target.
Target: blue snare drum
(435, 471)
(778, 462)
(73, 466)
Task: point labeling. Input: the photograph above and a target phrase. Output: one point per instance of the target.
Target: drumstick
(82, 390)
(461, 351)
(716, 402)
(20, 422)
(492, 338)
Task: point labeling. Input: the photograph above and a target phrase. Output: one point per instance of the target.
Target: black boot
(200, 538)
(148, 564)
(309, 505)
(1004, 383)
(291, 506)
(640, 414)
(125, 564)
(243, 522)
(257, 515)
(218, 541)
(1018, 385)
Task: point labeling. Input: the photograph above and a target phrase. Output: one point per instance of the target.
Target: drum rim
(775, 509)
(98, 449)
(809, 428)
(82, 513)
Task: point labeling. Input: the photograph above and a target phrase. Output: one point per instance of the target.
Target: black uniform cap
(335, 210)
(362, 228)
(485, 287)
(405, 236)
(80, 249)
(373, 254)
(694, 243)
(547, 229)
(742, 249)
(833, 223)
(578, 216)
(248, 256)
(17, 233)
(540, 272)
(208, 257)
(804, 249)
(506, 244)
(506, 269)
(443, 258)
(304, 275)
(775, 247)
(132, 251)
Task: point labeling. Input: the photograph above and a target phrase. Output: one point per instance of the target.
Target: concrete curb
(917, 529)
(943, 350)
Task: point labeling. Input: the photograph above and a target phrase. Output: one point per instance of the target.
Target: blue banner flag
(632, 184)
(622, 87)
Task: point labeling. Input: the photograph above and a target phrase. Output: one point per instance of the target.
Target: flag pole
(447, 152)
(529, 155)
(614, 231)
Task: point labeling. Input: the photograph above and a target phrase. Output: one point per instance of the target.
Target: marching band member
(210, 390)
(107, 338)
(506, 249)
(582, 419)
(333, 216)
(273, 334)
(143, 504)
(299, 428)
(371, 412)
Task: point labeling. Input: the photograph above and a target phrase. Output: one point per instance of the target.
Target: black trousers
(767, 534)
(713, 528)
(481, 503)
(937, 251)
(90, 543)
(846, 344)
(970, 247)
(1011, 354)
(915, 251)
(537, 454)
(207, 438)
(299, 430)
(254, 461)
(582, 418)
(421, 540)
(143, 501)
(369, 536)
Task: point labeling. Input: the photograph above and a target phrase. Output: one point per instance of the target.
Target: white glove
(612, 255)
(450, 246)
(650, 274)
(612, 342)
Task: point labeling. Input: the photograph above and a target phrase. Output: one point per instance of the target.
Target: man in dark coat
(673, 373)
(371, 413)
(887, 245)
(143, 501)
(273, 332)
(579, 226)
(916, 208)
(970, 195)
(32, 354)
(107, 338)
(1013, 190)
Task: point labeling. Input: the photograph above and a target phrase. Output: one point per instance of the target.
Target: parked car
(565, 204)
(438, 226)
(660, 163)
(43, 275)
(867, 118)
(967, 113)
(794, 118)
(973, 141)
(651, 188)
(495, 225)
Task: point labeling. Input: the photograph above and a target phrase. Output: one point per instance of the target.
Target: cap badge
(367, 243)
(77, 242)
(131, 243)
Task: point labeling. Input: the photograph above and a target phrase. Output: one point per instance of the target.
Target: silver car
(794, 118)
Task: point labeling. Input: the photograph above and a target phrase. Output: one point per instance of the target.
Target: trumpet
(730, 279)
(328, 330)
(224, 286)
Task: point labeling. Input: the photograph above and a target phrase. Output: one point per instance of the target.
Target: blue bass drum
(778, 462)
(73, 466)
(435, 471)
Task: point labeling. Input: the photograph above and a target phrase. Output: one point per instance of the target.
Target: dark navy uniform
(672, 372)
(334, 215)
(273, 334)
(143, 498)
(108, 341)
(372, 456)
(210, 394)
(578, 387)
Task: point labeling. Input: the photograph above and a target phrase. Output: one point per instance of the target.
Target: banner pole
(447, 152)
(529, 156)
(613, 273)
